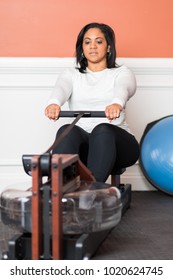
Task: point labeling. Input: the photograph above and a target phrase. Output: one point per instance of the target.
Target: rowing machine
(71, 214)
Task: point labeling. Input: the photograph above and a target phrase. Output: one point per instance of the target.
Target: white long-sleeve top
(93, 91)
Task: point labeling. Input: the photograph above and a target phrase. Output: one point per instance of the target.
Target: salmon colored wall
(48, 28)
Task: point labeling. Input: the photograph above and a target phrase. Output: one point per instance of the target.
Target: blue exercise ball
(156, 154)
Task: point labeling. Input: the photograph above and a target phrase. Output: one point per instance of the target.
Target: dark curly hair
(110, 38)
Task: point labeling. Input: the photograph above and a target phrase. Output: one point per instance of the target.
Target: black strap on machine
(65, 132)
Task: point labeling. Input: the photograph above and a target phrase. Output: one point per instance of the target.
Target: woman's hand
(113, 111)
(52, 111)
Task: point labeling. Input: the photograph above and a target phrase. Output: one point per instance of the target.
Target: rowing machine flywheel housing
(92, 207)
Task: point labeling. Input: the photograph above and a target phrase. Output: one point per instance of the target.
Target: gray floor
(145, 231)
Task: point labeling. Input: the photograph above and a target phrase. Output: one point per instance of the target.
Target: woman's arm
(125, 87)
(60, 94)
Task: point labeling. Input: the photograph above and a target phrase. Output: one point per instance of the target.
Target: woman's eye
(99, 42)
(86, 42)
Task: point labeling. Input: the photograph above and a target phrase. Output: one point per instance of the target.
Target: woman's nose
(93, 45)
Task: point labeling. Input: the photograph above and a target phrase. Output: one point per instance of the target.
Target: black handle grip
(86, 114)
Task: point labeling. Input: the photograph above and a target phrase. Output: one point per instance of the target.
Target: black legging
(106, 147)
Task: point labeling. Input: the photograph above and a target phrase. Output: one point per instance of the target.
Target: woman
(97, 84)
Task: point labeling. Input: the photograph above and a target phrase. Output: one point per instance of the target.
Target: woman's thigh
(76, 142)
(117, 143)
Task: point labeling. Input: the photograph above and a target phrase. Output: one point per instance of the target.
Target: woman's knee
(102, 128)
(62, 128)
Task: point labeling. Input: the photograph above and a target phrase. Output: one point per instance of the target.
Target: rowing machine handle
(86, 114)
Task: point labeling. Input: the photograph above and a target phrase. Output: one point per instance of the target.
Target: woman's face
(95, 47)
